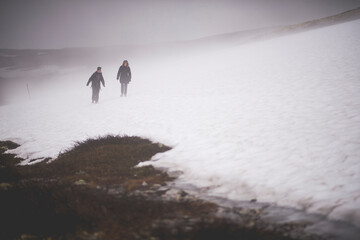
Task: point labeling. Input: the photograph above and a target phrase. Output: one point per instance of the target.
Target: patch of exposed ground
(94, 191)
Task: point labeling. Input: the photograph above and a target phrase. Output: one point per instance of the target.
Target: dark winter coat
(124, 73)
(95, 80)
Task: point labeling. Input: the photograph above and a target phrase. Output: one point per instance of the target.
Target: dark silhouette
(124, 74)
(95, 80)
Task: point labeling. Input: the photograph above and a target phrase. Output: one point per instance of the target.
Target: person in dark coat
(124, 74)
(95, 80)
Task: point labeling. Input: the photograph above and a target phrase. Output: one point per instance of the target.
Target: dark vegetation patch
(94, 191)
(6, 145)
(101, 163)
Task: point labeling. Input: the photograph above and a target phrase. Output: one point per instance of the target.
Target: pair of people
(124, 74)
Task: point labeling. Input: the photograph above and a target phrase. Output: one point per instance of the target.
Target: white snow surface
(276, 120)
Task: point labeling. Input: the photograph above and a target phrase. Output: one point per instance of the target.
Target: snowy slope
(277, 120)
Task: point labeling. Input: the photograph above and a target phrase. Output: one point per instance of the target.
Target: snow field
(276, 120)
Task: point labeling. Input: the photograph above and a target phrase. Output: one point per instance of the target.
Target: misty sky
(81, 23)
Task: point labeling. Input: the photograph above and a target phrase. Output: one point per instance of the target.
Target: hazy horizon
(49, 24)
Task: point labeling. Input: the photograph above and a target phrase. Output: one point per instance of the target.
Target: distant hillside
(322, 22)
(259, 34)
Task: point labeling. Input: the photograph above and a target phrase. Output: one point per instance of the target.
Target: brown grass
(42, 201)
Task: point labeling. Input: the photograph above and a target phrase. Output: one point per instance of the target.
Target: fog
(86, 34)
(275, 120)
(269, 114)
(44, 24)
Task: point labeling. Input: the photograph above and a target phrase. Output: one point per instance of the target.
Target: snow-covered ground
(277, 120)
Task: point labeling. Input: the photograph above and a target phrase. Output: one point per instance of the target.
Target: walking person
(124, 74)
(95, 80)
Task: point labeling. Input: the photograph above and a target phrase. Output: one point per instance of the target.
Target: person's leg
(125, 89)
(122, 89)
(93, 95)
(97, 95)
